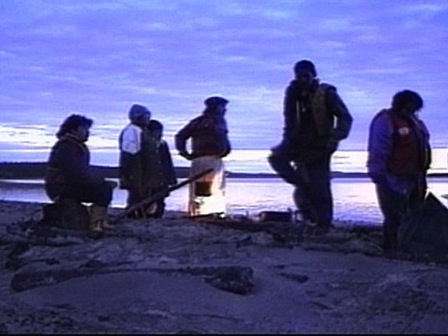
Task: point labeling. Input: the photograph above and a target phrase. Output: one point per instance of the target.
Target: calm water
(354, 198)
(240, 160)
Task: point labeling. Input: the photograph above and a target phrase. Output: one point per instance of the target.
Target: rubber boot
(98, 218)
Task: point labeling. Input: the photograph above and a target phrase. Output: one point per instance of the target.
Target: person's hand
(225, 153)
(186, 155)
(127, 182)
(378, 178)
(112, 184)
(283, 147)
(332, 145)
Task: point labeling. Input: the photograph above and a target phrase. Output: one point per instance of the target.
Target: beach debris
(166, 264)
(238, 280)
(286, 234)
(276, 216)
(300, 278)
(28, 280)
(158, 195)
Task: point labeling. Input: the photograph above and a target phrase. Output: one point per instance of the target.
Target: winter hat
(306, 66)
(138, 111)
(215, 101)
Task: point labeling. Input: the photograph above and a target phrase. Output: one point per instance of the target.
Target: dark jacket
(68, 169)
(209, 136)
(159, 168)
(169, 173)
(69, 163)
(314, 124)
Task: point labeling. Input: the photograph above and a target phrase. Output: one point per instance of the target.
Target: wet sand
(179, 275)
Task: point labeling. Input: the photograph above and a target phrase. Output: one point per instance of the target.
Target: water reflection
(354, 198)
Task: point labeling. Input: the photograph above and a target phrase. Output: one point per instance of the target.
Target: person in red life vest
(399, 156)
(69, 173)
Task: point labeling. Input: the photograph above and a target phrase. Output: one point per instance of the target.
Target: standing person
(315, 120)
(399, 155)
(136, 147)
(209, 144)
(69, 173)
(161, 169)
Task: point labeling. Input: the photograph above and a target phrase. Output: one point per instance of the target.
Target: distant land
(36, 170)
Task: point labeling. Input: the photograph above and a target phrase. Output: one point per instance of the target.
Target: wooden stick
(160, 194)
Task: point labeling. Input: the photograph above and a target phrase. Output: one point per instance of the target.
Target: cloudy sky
(97, 58)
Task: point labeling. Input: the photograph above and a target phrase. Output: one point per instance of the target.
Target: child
(160, 167)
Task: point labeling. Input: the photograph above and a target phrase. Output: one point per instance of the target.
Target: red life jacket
(409, 146)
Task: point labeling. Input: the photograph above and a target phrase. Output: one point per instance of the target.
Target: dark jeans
(312, 194)
(393, 206)
(160, 210)
(96, 193)
(135, 195)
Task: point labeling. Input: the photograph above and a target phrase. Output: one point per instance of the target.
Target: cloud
(99, 57)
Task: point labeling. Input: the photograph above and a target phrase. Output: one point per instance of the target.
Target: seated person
(69, 174)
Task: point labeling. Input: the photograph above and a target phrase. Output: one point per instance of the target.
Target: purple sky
(97, 58)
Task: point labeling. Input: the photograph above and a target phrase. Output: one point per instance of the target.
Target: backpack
(425, 228)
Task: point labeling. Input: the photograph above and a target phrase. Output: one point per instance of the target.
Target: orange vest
(408, 147)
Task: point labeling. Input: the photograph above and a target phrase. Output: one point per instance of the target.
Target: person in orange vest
(399, 156)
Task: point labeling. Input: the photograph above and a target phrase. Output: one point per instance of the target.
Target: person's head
(139, 115)
(156, 128)
(77, 126)
(305, 73)
(216, 104)
(407, 102)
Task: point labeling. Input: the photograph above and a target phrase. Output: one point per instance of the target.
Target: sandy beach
(178, 275)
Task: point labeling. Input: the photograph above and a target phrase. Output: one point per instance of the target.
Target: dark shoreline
(36, 170)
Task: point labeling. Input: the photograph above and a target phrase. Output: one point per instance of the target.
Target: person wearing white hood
(135, 147)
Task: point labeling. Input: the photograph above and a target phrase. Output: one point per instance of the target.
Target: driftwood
(234, 279)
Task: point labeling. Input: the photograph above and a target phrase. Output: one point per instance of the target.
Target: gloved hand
(128, 182)
(378, 178)
(112, 184)
(284, 148)
(332, 145)
(123, 183)
(225, 153)
(186, 155)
